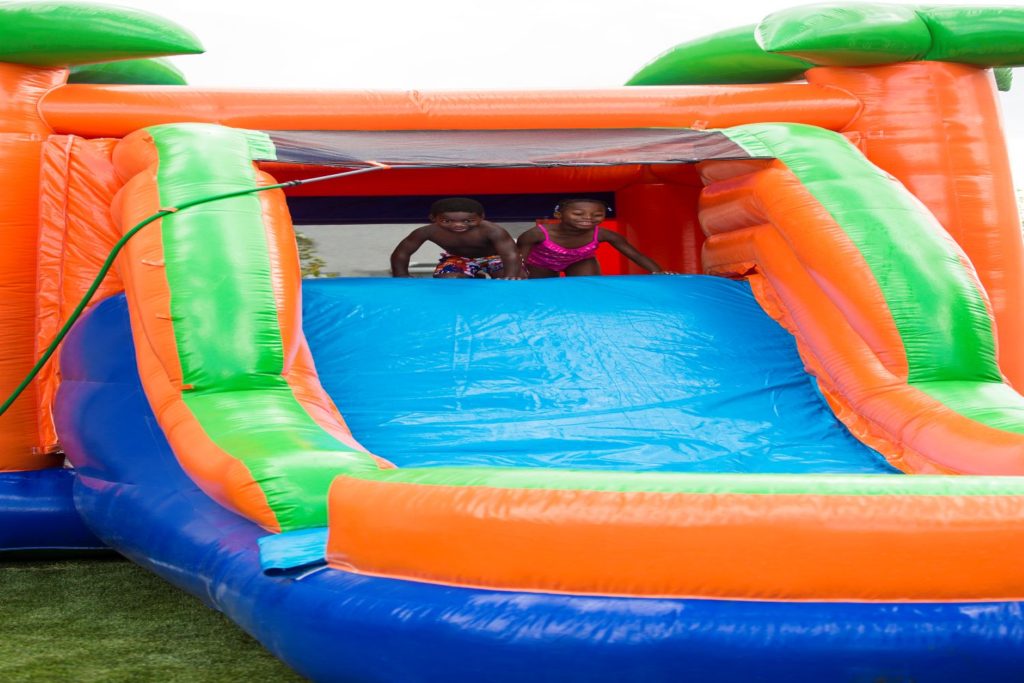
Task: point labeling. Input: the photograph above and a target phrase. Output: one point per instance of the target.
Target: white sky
(463, 44)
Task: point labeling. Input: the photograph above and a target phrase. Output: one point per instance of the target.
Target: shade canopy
(503, 148)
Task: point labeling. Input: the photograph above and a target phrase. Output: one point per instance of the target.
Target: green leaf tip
(49, 34)
(869, 34)
(155, 71)
(730, 56)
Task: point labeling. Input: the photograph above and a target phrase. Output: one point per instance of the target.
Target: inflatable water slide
(800, 459)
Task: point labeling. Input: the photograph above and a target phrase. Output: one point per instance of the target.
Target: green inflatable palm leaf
(846, 34)
(129, 72)
(866, 34)
(63, 34)
(731, 56)
(787, 43)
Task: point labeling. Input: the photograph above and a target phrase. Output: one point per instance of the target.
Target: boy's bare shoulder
(492, 228)
(494, 233)
(424, 233)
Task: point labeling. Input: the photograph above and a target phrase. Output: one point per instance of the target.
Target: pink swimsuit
(549, 255)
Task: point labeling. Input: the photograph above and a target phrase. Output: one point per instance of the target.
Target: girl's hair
(562, 203)
(456, 204)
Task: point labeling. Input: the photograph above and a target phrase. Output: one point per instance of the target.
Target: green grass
(107, 620)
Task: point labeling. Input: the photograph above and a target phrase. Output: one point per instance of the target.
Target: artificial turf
(107, 620)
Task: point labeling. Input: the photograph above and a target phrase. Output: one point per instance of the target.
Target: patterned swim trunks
(470, 267)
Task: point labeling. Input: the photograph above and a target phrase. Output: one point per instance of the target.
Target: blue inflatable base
(39, 515)
(331, 625)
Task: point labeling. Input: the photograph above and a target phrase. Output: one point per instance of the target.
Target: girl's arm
(628, 250)
(527, 240)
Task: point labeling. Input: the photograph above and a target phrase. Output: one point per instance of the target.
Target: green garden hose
(75, 314)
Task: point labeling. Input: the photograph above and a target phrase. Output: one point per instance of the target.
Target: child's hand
(511, 277)
(666, 272)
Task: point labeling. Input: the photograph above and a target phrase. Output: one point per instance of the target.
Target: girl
(570, 246)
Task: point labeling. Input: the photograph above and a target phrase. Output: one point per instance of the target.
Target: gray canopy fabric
(503, 148)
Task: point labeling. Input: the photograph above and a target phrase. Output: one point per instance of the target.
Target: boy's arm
(505, 247)
(628, 250)
(405, 249)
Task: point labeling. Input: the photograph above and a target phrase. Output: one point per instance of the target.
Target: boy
(472, 246)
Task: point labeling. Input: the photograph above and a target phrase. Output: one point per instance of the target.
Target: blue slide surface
(667, 373)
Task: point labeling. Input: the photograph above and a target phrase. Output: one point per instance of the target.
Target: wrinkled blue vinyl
(38, 513)
(293, 550)
(331, 625)
(670, 373)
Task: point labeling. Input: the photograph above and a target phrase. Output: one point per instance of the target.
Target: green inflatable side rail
(220, 277)
(48, 34)
(703, 483)
(938, 309)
